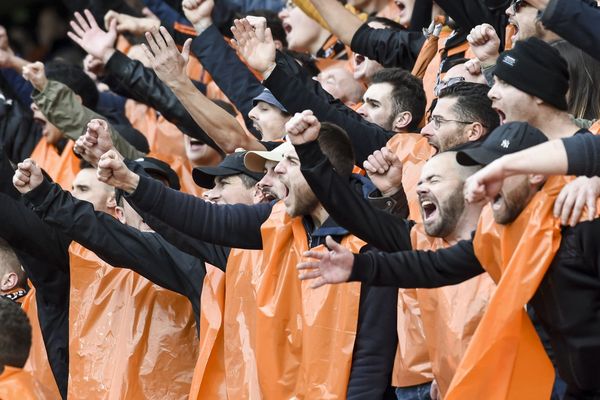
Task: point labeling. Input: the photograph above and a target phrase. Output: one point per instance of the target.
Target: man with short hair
(13, 285)
(15, 342)
(298, 221)
(463, 113)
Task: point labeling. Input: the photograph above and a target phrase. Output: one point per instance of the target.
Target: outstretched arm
(405, 269)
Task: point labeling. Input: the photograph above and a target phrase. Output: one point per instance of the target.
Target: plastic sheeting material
(450, 314)
(16, 384)
(284, 340)
(37, 363)
(516, 256)
(413, 150)
(209, 373)
(128, 338)
(62, 168)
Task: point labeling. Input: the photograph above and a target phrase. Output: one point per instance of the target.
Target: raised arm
(226, 225)
(343, 203)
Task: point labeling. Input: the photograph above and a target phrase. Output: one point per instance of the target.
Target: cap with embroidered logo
(506, 139)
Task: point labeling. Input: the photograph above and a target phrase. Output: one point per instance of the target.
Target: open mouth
(358, 59)
(400, 5)
(287, 28)
(43, 124)
(268, 196)
(515, 36)
(430, 210)
(196, 144)
(501, 115)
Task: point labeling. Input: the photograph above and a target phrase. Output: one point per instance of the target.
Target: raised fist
(28, 176)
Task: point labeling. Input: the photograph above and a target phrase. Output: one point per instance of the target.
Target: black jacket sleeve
(576, 21)
(229, 73)
(118, 244)
(141, 84)
(235, 225)
(582, 154)
(347, 207)
(296, 97)
(418, 269)
(388, 47)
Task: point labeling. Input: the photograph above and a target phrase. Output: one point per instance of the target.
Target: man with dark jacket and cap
(566, 275)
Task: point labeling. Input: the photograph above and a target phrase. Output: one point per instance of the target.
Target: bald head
(444, 164)
(340, 83)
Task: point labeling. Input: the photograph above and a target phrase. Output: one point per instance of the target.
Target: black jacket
(567, 301)
(582, 154)
(239, 226)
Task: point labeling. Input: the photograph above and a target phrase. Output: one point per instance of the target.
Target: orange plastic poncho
(37, 362)
(16, 384)
(283, 339)
(506, 359)
(413, 151)
(450, 314)
(62, 168)
(209, 373)
(128, 338)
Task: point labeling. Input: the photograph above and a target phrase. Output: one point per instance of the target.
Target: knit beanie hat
(536, 68)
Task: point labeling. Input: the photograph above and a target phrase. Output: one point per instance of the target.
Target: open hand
(91, 38)
(571, 200)
(168, 63)
(28, 176)
(302, 128)
(384, 168)
(333, 266)
(255, 44)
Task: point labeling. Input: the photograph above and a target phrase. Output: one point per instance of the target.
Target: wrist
(131, 183)
(267, 72)
(202, 25)
(107, 55)
(181, 82)
(488, 62)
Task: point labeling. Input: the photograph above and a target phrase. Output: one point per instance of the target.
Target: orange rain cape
(413, 151)
(450, 314)
(506, 359)
(16, 384)
(283, 339)
(62, 168)
(128, 338)
(37, 363)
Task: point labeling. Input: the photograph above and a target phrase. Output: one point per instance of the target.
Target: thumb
(332, 244)
(268, 35)
(112, 28)
(185, 52)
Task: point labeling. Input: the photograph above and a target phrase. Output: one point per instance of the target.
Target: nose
(212, 195)
(509, 11)
(34, 107)
(252, 114)
(362, 111)
(279, 168)
(422, 189)
(427, 130)
(284, 13)
(493, 93)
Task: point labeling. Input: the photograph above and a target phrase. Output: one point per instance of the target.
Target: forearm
(59, 104)
(226, 225)
(221, 126)
(548, 158)
(417, 269)
(229, 73)
(341, 21)
(346, 205)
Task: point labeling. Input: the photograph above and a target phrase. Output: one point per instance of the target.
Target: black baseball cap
(232, 164)
(505, 139)
(161, 168)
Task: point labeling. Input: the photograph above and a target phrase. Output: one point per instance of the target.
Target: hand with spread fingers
(94, 142)
(199, 13)
(384, 168)
(333, 266)
(255, 44)
(28, 176)
(485, 44)
(570, 203)
(91, 38)
(36, 74)
(168, 63)
(113, 171)
(302, 128)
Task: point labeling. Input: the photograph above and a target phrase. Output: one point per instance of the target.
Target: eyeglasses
(444, 84)
(516, 5)
(439, 121)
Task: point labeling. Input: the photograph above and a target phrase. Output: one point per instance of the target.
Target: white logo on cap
(508, 60)
(505, 143)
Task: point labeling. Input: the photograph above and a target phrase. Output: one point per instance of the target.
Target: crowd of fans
(245, 199)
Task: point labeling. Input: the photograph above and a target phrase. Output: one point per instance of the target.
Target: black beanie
(536, 68)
